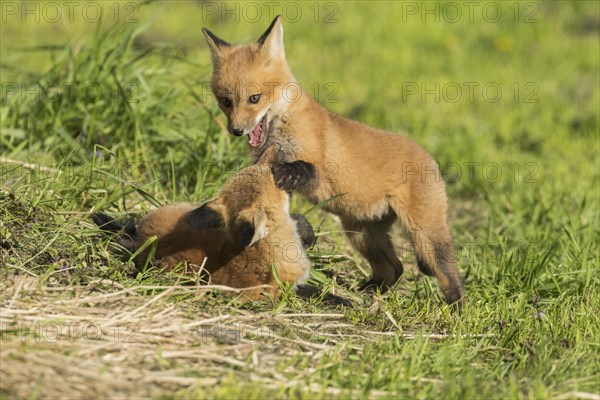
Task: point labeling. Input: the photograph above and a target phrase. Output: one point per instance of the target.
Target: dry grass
(102, 341)
(527, 240)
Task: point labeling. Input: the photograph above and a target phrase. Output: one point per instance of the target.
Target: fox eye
(226, 102)
(254, 98)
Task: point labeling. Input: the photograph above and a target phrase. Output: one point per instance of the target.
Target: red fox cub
(378, 177)
(232, 240)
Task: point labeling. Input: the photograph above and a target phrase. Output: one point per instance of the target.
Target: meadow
(107, 106)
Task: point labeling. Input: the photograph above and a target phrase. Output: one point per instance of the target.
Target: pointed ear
(210, 215)
(271, 42)
(252, 227)
(216, 46)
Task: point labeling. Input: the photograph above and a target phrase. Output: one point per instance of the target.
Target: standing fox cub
(379, 177)
(232, 240)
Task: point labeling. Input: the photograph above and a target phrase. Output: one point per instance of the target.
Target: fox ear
(216, 46)
(208, 216)
(271, 42)
(252, 227)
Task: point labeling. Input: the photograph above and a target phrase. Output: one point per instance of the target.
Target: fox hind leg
(372, 239)
(430, 236)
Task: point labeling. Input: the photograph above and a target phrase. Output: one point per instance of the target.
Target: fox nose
(236, 131)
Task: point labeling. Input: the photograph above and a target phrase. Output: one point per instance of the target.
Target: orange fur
(250, 198)
(379, 176)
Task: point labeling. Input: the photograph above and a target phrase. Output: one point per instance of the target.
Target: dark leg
(372, 240)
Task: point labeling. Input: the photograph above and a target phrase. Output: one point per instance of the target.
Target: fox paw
(311, 291)
(373, 284)
(305, 230)
(293, 175)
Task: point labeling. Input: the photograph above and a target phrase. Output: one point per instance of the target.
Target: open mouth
(258, 134)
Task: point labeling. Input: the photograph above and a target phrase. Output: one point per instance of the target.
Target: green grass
(117, 117)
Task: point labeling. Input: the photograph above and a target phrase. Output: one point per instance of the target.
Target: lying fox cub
(372, 178)
(232, 240)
